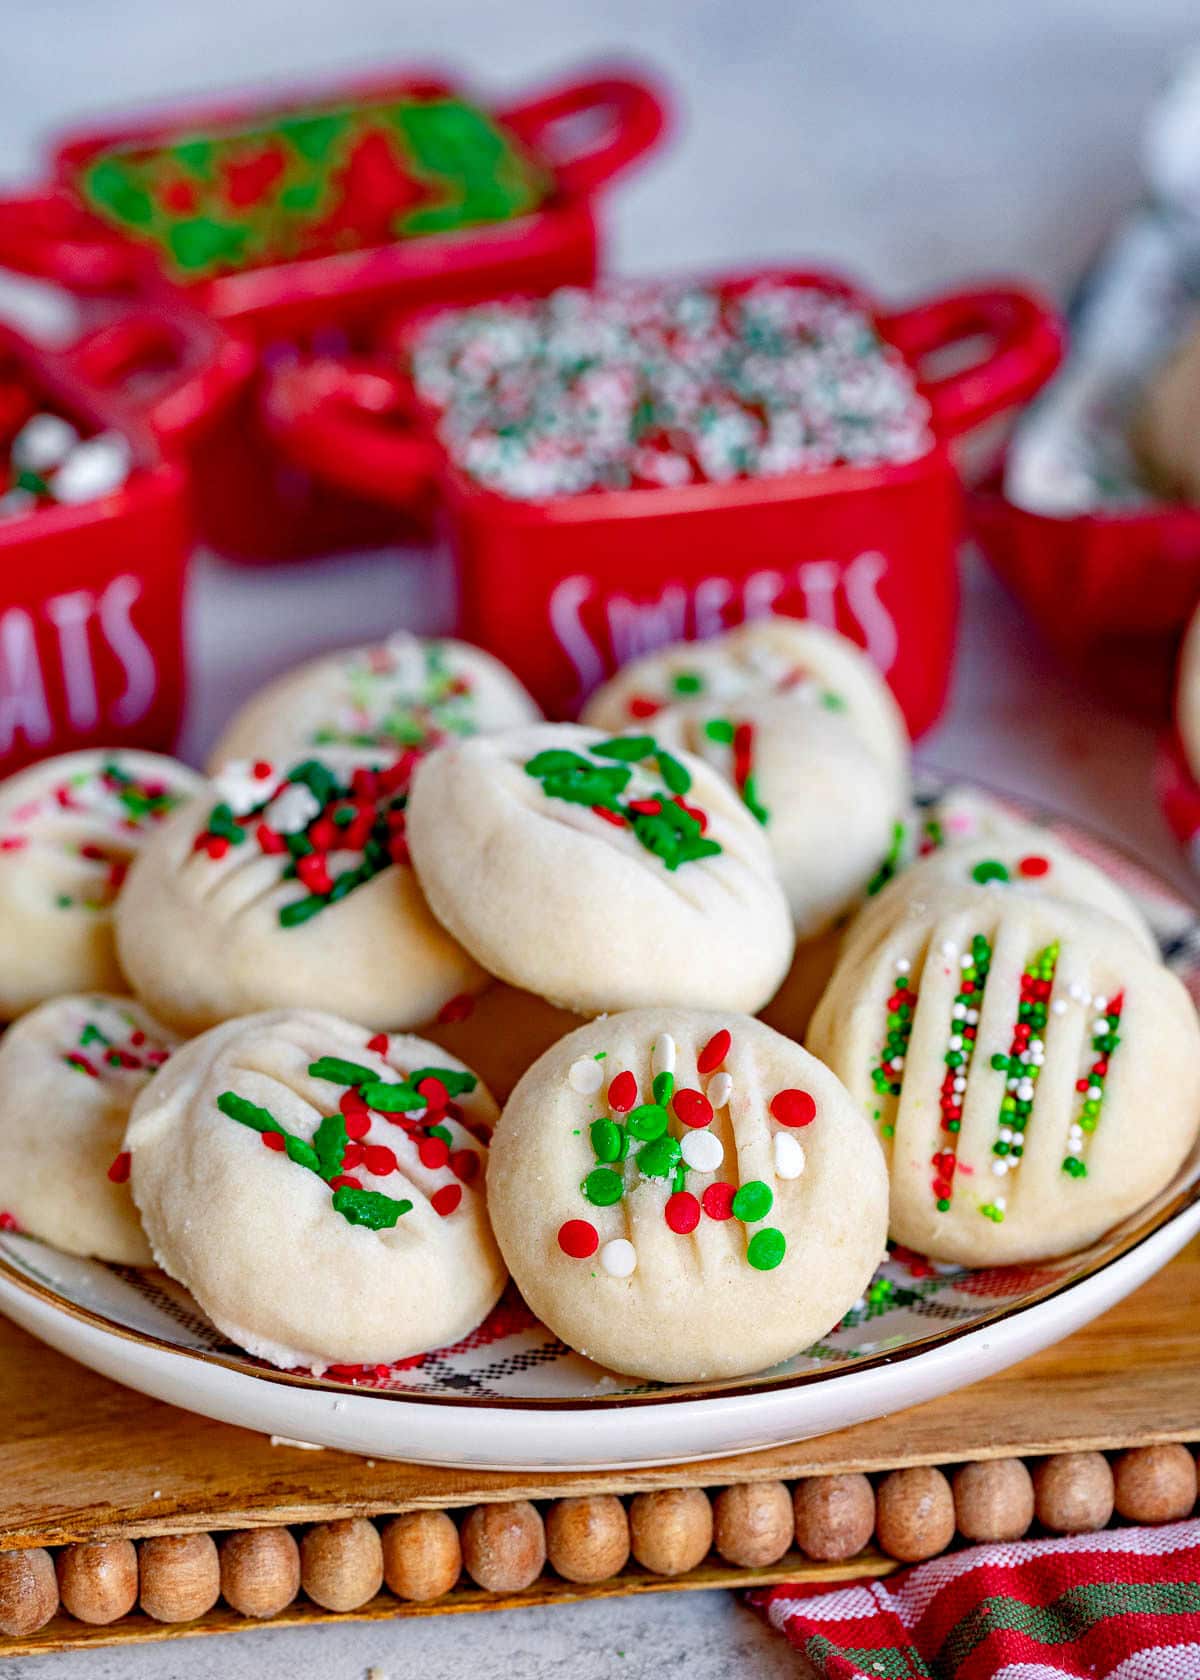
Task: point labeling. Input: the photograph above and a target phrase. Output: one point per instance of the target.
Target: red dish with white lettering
(566, 589)
(91, 613)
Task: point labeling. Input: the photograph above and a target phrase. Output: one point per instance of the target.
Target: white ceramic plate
(510, 1396)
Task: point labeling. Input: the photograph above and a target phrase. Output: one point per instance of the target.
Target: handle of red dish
(636, 116)
(47, 236)
(1025, 338)
(192, 369)
(349, 424)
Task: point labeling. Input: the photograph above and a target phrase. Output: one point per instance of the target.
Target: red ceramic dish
(252, 504)
(1112, 593)
(91, 619)
(567, 590)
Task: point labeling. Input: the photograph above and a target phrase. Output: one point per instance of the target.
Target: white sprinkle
(93, 469)
(966, 960)
(789, 1156)
(972, 1017)
(956, 1042)
(1059, 1006)
(959, 1012)
(662, 1058)
(1006, 1134)
(1099, 1025)
(702, 1151)
(619, 1257)
(1001, 1202)
(240, 789)
(1076, 991)
(585, 1076)
(1025, 1090)
(904, 966)
(720, 1089)
(999, 1167)
(42, 443)
(897, 1063)
(157, 1494)
(949, 948)
(293, 809)
(1100, 1004)
(1094, 1092)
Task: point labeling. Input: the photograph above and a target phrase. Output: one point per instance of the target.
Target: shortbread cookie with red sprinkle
(599, 872)
(1032, 1070)
(409, 691)
(69, 829)
(69, 1073)
(803, 725)
(319, 1188)
(289, 886)
(685, 1194)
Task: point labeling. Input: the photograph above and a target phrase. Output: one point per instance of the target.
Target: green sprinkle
(660, 1158)
(391, 1099)
(330, 1140)
(990, 869)
(753, 1201)
(1074, 1166)
(664, 1088)
(606, 1138)
(457, 1082)
(443, 1132)
(766, 1249)
(368, 1207)
(303, 910)
(629, 749)
(647, 1122)
(673, 773)
(687, 682)
(259, 1119)
(603, 1187)
(341, 1072)
(720, 730)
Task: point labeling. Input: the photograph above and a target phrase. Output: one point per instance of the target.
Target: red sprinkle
(793, 1108)
(622, 1093)
(464, 1164)
(692, 1107)
(324, 834)
(379, 1160)
(683, 1212)
(434, 1092)
(717, 1200)
(457, 1009)
(215, 845)
(613, 817)
(119, 1171)
(714, 1052)
(379, 1044)
(342, 1181)
(646, 807)
(358, 1115)
(578, 1238)
(353, 1156)
(269, 841)
(643, 706)
(699, 817)
(8, 1221)
(445, 1200)
(261, 770)
(434, 1152)
(1033, 866)
(271, 1140)
(313, 872)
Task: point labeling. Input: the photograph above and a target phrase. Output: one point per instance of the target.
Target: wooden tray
(84, 1459)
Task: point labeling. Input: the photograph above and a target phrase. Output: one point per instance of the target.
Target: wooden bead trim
(769, 1529)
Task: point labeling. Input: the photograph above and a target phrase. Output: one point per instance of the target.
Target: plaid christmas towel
(1119, 1605)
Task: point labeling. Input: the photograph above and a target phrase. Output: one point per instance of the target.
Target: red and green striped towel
(1123, 1604)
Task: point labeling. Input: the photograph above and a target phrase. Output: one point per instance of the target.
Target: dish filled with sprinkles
(518, 1395)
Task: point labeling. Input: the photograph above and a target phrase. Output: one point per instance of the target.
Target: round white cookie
(762, 659)
(601, 873)
(802, 724)
(1033, 1072)
(69, 1073)
(69, 828)
(288, 886)
(319, 1190)
(1187, 696)
(409, 691)
(686, 1194)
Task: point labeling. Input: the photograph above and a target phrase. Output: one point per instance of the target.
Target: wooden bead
(993, 1499)
(181, 1576)
(752, 1523)
(98, 1582)
(671, 1531)
(914, 1513)
(1073, 1492)
(1155, 1484)
(28, 1591)
(260, 1571)
(834, 1516)
(504, 1546)
(422, 1555)
(341, 1563)
(587, 1539)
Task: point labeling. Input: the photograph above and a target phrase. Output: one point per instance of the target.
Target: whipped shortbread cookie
(409, 691)
(69, 1073)
(69, 829)
(1032, 1071)
(599, 872)
(685, 1194)
(319, 1188)
(288, 885)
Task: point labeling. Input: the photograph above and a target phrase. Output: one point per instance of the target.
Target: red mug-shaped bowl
(567, 590)
(91, 611)
(252, 503)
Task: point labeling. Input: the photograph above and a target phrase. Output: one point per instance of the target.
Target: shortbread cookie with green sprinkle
(600, 872)
(686, 1194)
(376, 701)
(1032, 1070)
(319, 1188)
(69, 829)
(288, 885)
(70, 1071)
(804, 726)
